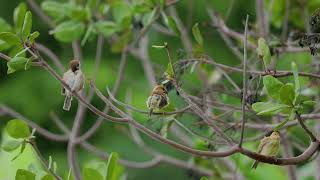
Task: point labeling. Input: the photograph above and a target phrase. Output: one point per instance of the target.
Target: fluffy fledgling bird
(269, 146)
(75, 80)
(158, 99)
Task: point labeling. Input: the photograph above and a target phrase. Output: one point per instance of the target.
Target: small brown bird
(158, 99)
(75, 80)
(269, 146)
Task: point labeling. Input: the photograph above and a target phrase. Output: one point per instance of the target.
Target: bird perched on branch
(269, 146)
(75, 80)
(158, 99)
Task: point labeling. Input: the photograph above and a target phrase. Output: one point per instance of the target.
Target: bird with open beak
(158, 99)
(75, 80)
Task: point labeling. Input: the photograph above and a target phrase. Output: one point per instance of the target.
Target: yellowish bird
(269, 146)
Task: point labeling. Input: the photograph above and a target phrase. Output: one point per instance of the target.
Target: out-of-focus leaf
(22, 174)
(4, 26)
(18, 16)
(27, 25)
(17, 51)
(204, 178)
(165, 128)
(120, 10)
(78, 13)
(171, 23)
(17, 128)
(273, 86)
(111, 165)
(169, 71)
(87, 34)
(90, 174)
(55, 9)
(47, 177)
(141, 8)
(18, 63)
(197, 34)
(10, 38)
(69, 31)
(122, 42)
(91, 4)
(23, 147)
(287, 94)
(148, 17)
(11, 145)
(107, 28)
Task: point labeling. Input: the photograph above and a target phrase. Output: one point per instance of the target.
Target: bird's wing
(78, 82)
(262, 144)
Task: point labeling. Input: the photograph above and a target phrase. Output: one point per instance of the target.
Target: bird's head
(275, 135)
(74, 65)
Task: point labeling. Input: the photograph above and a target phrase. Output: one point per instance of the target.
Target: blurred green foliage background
(34, 93)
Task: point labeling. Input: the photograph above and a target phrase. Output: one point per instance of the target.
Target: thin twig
(244, 91)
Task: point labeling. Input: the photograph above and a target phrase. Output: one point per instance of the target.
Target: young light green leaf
(296, 80)
(268, 108)
(55, 9)
(171, 23)
(111, 165)
(197, 34)
(204, 178)
(18, 63)
(264, 51)
(159, 46)
(18, 16)
(78, 13)
(169, 71)
(11, 145)
(10, 38)
(27, 25)
(273, 86)
(287, 94)
(22, 174)
(48, 177)
(33, 36)
(107, 28)
(17, 128)
(69, 31)
(23, 147)
(90, 174)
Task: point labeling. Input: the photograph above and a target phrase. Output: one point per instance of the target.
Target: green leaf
(264, 51)
(22, 174)
(169, 71)
(11, 145)
(69, 31)
(87, 35)
(171, 23)
(204, 178)
(34, 36)
(197, 34)
(107, 28)
(47, 177)
(147, 18)
(27, 25)
(291, 116)
(91, 4)
(18, 16)
(10, 38)
(120, 10)
(55, 9)
(296, 80)
(111, 165)
(18, 63)
(4, 26)
(273, 86)
(287, 94)
(78, 13)
(268, 108)
(90, 174)
(17, 128)
(122, 42)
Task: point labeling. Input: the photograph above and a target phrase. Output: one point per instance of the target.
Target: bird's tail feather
(255, 165)
(67, 103)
